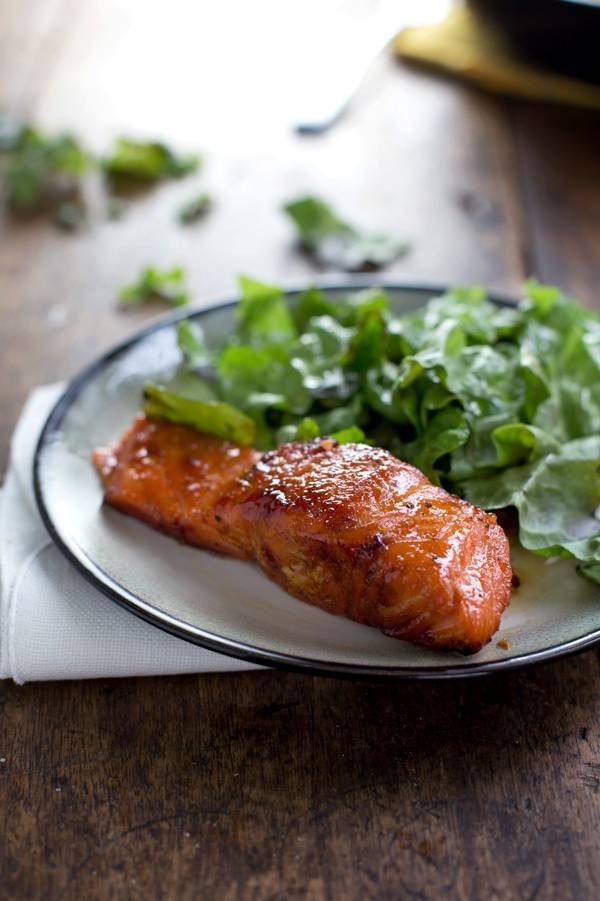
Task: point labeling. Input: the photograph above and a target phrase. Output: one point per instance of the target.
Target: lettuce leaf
(213, 417)
(41, 168)
(246, 373)
(445, 431)
(347, 310)
(557, 498)
(195, 208)
(337, 243)
(264, 317)
(147, 160)
(165, 285)
(352, 435)
(191, 343)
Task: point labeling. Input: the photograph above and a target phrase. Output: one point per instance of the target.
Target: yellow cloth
(467, 46)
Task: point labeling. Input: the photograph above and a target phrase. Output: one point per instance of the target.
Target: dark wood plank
(558, 152)
(272, 785)
(269, 785)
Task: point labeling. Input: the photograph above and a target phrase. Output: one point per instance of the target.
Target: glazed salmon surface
(172, 477)
(348, 528)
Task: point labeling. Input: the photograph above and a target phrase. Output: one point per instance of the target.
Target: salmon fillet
(348, 528)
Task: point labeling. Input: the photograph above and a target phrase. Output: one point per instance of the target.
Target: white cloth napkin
(53, 624)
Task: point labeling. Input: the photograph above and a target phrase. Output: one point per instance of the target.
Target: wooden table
(274, 785)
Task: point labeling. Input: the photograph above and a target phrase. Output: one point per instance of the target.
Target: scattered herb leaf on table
(195, 208)
(148, 160)
(39, 168)
(337, 243)
(167, 285)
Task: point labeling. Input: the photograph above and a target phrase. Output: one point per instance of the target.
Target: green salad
(496, 403)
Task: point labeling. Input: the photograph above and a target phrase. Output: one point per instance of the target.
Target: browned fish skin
(348, 528)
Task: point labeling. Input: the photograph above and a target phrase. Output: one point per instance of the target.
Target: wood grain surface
(271, 785)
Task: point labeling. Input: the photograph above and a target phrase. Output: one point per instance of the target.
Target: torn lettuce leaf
(191, 343)
(306, 430)
(247, 373)
(557, 498)
(41, 168)
(166, 285)
(445, 431)
(337, 243)
(147, 160)
(558, 503)
(352, 435)
(194, 209)
(213, 417)
(347, 310)
(263, 315)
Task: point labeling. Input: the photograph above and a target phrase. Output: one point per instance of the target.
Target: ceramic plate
(230, 606)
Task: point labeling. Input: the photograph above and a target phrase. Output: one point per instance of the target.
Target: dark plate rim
(226, 646)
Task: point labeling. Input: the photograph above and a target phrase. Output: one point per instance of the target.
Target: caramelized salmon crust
(348, 528)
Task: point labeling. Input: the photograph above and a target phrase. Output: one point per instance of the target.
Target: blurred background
(455, 141)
